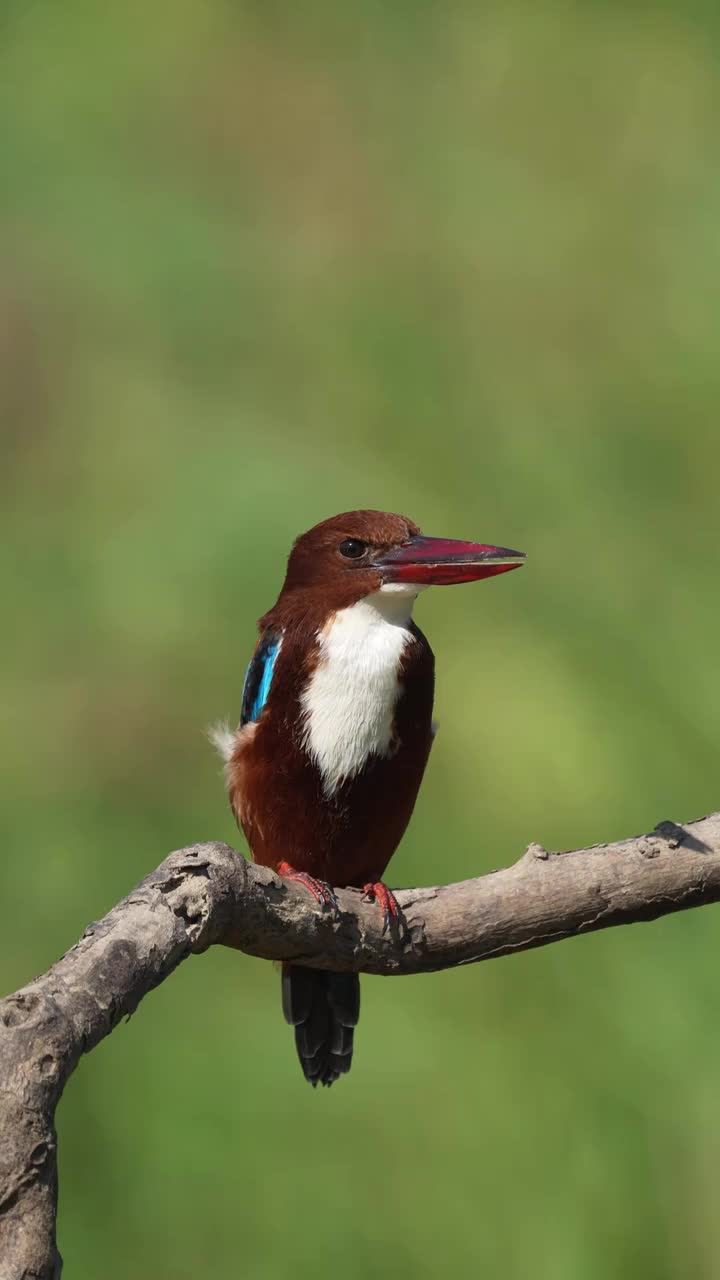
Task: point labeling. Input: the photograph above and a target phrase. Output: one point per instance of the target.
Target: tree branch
(207, 894)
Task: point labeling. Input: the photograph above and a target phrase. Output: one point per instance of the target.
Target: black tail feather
(324, 1009)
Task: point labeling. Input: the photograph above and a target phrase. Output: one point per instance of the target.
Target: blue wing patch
(258, 677)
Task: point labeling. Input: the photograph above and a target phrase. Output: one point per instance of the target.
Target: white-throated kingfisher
(335, 732)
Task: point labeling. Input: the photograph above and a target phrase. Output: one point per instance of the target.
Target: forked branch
(207, 894)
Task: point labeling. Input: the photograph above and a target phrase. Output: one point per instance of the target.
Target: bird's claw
(387, 901)
(322, 892)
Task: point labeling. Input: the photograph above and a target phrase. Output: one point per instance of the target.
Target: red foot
(321, 891)
(385, 899)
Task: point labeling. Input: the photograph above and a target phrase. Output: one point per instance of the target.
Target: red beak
(443, 561)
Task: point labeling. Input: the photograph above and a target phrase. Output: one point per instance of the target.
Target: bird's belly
(347, 837)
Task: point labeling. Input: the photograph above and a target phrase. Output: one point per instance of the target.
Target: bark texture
(208, 894)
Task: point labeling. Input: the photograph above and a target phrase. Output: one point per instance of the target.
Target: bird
(335, 731)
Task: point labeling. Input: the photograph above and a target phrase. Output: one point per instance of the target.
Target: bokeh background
(261, 262)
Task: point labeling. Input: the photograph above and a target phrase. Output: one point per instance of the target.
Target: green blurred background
(262, 262)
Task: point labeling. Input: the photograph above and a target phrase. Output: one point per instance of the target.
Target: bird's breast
(348, 705)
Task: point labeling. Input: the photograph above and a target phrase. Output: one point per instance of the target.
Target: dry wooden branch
(207, 894)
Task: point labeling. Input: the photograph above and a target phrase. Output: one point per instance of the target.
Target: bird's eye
(352, 548)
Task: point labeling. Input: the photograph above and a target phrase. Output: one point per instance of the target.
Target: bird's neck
(382, 608)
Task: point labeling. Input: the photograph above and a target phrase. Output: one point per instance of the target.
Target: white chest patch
(349, 703)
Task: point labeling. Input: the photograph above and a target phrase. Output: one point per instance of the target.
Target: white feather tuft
(223, 739)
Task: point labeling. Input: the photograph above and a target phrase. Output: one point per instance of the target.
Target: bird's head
(359, 553)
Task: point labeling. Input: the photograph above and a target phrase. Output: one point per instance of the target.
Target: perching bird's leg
(385, 899)
(320, 889)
